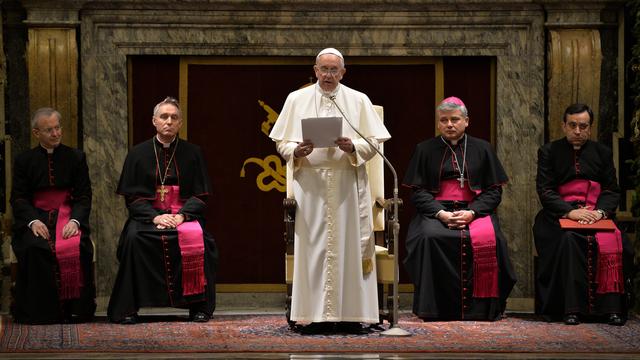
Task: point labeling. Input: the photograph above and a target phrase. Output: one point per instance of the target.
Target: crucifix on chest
(162, 191)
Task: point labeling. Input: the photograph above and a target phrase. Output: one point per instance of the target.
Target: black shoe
(130, 320)
(353, 328)
(318, 328)
(615, 320)
(200, 317)
(78, 319)
(571, 319)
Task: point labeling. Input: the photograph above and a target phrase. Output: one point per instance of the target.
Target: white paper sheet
(322, 131)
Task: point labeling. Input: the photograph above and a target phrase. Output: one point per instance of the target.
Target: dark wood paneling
(469, 78)
(153, 78)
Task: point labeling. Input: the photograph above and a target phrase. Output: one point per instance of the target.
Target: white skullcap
(330, 51)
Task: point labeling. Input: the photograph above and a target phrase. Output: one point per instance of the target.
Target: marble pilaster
(52, 59)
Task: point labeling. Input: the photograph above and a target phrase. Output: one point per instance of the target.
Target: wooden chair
(382, 216)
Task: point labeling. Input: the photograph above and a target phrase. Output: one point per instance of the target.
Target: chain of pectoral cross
(455, 159)
(162, 191)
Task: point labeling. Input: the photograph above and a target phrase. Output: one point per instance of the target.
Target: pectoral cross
(461, 179)
(162, 191)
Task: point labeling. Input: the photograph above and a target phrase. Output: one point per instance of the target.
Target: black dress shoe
(353, 328)
(130, 320)
(200, 317)
(571, 319)
(615, 320)
(318, 328)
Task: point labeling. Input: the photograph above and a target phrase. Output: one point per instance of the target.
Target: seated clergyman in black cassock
(166, 257)
(580, 271)
(51, 200)
(456, 254)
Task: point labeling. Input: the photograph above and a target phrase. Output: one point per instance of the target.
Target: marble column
(574, 60)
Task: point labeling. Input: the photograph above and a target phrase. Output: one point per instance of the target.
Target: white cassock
(334, 227)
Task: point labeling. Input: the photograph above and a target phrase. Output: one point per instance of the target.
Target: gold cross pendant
(162, 191)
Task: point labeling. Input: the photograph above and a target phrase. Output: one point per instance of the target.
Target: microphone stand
(394, 330)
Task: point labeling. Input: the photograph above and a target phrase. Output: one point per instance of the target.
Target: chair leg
(390, 303)
(287, 307)
(383, 314)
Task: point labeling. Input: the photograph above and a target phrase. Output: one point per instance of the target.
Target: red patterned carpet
(270, 334)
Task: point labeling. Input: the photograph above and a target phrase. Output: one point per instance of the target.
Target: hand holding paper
(303, 149)
(345, 144)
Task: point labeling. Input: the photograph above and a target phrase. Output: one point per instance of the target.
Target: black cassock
(563, 283)
(37, 297)
(440, 260)
(150, 271)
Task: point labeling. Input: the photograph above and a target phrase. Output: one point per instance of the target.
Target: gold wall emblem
(273, 175)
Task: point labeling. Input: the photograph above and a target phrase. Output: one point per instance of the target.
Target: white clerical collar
(166, 145)
(454, 142)
(48, 150)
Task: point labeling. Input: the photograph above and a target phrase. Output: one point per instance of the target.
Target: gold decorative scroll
(273, 175)
(575, 58)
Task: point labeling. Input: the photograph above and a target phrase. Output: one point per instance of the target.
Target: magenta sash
(190, 240)
(483, 242)
(67, 251)
(609, 272)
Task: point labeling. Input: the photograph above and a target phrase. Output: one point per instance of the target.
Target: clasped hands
(584, 215)
(168, 221)
(456, 219)
(306, 147)
(40, 229)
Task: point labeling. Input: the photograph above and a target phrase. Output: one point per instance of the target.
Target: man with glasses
(334, 279)
(166, 257)
(51, 201)
(580, 272)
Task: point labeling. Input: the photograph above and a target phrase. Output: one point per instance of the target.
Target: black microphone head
(332, 97)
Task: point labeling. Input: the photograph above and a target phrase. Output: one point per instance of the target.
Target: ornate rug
(270, 333)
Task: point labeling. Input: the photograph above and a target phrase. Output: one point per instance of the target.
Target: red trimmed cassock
(581, 271)
(164, 267)
(55, 276)
(457, 274)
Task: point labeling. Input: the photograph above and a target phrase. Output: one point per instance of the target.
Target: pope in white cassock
(334, 277)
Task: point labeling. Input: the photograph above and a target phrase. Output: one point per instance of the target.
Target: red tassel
(70, 278)
(609, 276)
(485, 272)
(193, 279)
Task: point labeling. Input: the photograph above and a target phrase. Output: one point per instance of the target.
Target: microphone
(394, 330)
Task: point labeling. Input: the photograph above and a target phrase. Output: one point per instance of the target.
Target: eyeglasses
(166, 116)
(573, 125)
(51, 129)
(327, 71)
